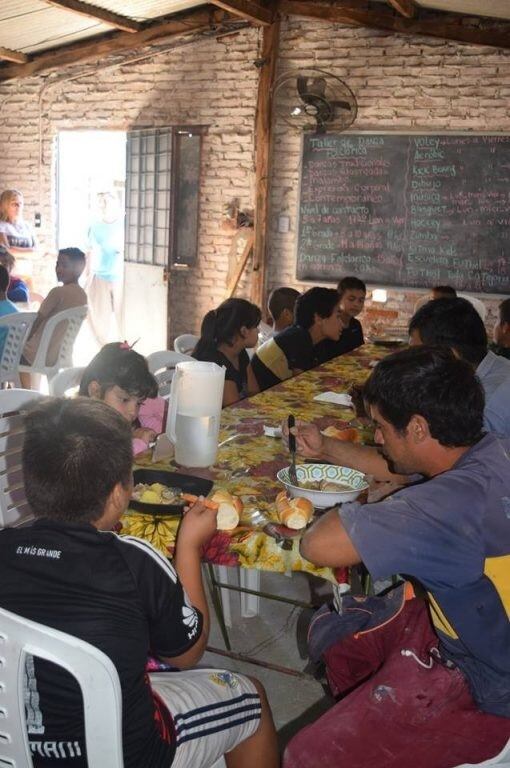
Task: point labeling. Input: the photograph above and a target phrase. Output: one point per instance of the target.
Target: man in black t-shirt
(68, 571)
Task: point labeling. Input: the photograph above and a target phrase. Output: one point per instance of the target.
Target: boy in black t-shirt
(352, 293)
(68, 571)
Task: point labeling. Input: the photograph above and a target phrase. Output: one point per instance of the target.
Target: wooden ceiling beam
(406, 8)
(447, 26)
(99, 14)
(246, 9)
(117, 42)
(16, 56)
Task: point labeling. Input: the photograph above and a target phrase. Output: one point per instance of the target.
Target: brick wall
(401, 83)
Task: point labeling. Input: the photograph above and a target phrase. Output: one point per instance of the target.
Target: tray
(188, 483)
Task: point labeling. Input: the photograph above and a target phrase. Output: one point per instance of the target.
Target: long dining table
(248, 461)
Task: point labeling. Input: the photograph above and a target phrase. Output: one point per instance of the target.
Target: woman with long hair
(15, 234)
(226, 333)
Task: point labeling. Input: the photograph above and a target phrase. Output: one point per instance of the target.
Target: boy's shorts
(213, 711)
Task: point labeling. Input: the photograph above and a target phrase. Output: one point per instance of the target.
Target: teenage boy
(427, 680)
(352, 292)
(316, 317)
(68, 571)
(70, 264)
(502, 330)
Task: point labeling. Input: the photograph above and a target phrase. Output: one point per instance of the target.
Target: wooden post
(271, 37)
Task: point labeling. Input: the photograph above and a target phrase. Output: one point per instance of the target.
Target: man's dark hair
(4, 278)
(445, 291)
(434, 383)
(350, 284)
(118, 365)
(74, 454)
(73, 254)
(452, 323)
(504, 311)
(316, 301)
(280, 299)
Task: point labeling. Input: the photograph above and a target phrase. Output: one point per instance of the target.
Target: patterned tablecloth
(247, 465)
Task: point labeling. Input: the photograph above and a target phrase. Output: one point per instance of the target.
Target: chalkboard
(407, 210)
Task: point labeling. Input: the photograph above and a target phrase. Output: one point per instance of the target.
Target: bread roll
(350, 434)
(229, 510)
(294, 513)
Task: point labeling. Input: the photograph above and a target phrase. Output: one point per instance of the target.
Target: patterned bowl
(313, 473)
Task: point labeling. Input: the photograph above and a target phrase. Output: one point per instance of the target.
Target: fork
(292, 448)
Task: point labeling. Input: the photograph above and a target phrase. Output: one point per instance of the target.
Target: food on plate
(229, 508)
(295, 513)
(156, 493)
(350, 433)
(328, 486)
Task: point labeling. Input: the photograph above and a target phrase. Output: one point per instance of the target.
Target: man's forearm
(364, 458)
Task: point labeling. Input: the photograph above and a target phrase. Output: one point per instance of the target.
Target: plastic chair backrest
(18, 326)
(65, 380)
(185, 343)
(162, 366)
(14, 508)
(74, 317)
(95, 673)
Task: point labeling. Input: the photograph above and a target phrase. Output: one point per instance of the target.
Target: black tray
(188, 484)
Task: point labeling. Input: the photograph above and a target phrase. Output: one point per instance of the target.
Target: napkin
(338, 398)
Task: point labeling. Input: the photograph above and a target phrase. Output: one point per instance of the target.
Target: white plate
(317, 472)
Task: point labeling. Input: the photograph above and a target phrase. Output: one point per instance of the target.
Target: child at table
(352, 292)
(226, 333)
(120, 377)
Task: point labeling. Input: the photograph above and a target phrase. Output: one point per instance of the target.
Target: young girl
(226, 333)
(121, 378)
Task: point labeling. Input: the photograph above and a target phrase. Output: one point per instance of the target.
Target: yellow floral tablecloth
(247, 465)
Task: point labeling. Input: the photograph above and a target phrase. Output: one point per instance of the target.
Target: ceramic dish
(308, 473)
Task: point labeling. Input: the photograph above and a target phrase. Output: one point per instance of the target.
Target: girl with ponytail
(226, 333)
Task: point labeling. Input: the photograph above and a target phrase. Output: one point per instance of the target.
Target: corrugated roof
(142, 10)
(498, 9)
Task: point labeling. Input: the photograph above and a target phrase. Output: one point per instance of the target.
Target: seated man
(68, 571)
(352, 292)
(429, 678)
(294, 350)
(501, 344)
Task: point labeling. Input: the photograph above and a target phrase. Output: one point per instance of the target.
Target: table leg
(217, 605)
(250, 604)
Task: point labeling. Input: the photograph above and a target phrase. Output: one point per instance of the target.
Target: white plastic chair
(68, 379)
(185, 343)
(74, 317)
(14, 507)
(162, 366)
(18, 326)
(95, 673)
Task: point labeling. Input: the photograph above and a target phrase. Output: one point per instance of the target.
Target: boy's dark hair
(452, 323)
(350, 283)
(446, 291)
(281, 299)
(74, 454)
(118, 365)
(316, 301)
(434, 383)
(73, 254)
(504, 311)
(4, 278)
(221, 325)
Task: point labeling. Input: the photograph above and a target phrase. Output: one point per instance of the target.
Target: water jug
(194, 413)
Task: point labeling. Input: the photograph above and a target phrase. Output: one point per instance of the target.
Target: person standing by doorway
(104, 271)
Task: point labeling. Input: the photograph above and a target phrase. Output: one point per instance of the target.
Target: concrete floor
(277, 636)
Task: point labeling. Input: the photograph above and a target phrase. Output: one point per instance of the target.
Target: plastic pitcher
(193, 421)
